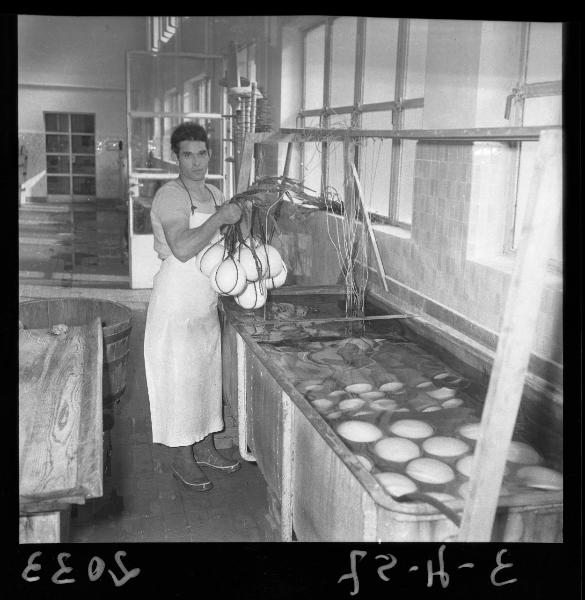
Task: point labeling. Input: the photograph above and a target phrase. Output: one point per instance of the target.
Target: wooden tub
(318, 489)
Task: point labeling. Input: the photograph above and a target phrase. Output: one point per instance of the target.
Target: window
(70, 151)
(535, 101)
(366, 73)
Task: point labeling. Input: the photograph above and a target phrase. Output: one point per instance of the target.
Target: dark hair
(188, 131)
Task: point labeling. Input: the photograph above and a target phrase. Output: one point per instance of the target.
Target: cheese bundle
(254, 269)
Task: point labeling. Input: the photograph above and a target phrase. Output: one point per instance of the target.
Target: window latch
(517, 94)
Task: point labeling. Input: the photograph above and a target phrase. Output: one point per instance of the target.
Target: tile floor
(142, 502)
(82, 246)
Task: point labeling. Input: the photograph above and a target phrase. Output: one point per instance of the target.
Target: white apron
(182, 352)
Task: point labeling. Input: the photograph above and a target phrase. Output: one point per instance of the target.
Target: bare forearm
(191, 241)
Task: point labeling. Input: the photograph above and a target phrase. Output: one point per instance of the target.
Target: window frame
(515, 112)
(396, 105)
(70, 174)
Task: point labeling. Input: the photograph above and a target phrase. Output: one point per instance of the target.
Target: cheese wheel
(442, 393)
(251, 263)
(273, 260)
(469, 430)
(351, 404)
(396, 484)
(322, 404)
(445, 446)
(384, 404)
(397, 449)
(279, 280)
(452, 403)
(358, 388)
(253, 297)
(540, 477)
(228, 278)
(523, 454)
(411, 428)
(366, 462)
(392, 386)
(374, 395)
(430, 470)
(359, 431)
(209, 258)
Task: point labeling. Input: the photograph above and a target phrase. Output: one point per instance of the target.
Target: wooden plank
(366, 214)
(308, 134)
(44, 528)
(515, 343)
(245, 167)
(60, 413)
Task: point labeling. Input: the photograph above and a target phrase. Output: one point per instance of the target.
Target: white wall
(76, 64)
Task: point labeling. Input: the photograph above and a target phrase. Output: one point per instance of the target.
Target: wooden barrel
(116, 322)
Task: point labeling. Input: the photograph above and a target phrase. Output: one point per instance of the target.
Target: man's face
(193, 160)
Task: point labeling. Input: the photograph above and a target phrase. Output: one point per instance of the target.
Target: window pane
(412, 120)
(84, 185)
(314, 67)
(57, 143)
(84, 164)
(527, 161)
(380, 59)
(57, 164)
(311, 165)
(335, 171)
(416, 58)
(82, 124)
(58, 185)
(82, 144)
(545, 52)
(56, 122)
(343, 43)
(546, 110)
(375, 163)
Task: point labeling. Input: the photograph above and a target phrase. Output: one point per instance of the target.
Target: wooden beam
(366, 214)
(515, 343)
(469, 135)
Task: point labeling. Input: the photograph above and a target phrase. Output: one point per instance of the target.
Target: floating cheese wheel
(403, 409)
(351, 404)
(335, 415)
(384, 404)
(392, 386)
(253, 297)
(442, 393)
(464, 465)
(364, 413)
(209, 258)
(228, 278)
(540, 477)
(424, 385)
(337, 394)
(464, 490)
(396, 484)
(322, 404)
(445, 446)
(397, 449)
(523, 454)
(411, 428)
(366, 462)
(359, 431)
(469, 430)
(251, 264)
(452, 403)
(431, 409)
(279, 280)
(430, 470)
(374, 395)
(358, 388)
